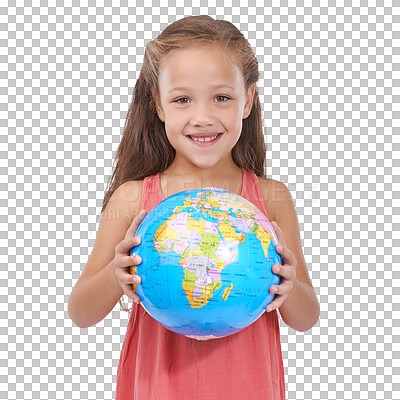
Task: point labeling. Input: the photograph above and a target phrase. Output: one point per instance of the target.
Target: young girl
(195, 121)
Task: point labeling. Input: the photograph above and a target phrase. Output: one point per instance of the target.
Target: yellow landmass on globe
(197, 226)
(189, 284)
(265, 239)
(227, 291)
(220, 264)
(229, 233)
(163, 233)
(187, 203)
(196, 302)
(210, 201)
(217, 214)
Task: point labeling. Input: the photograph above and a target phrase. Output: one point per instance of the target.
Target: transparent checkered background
(329, 88)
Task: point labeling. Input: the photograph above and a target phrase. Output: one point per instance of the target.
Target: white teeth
(204, 139)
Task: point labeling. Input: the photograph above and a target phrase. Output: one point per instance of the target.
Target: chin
(207, 165)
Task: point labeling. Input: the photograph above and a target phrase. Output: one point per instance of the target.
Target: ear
(249, 102)
(157, 103)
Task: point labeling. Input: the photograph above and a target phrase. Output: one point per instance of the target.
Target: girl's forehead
(207, 63)
(214, 48)
(198, 53)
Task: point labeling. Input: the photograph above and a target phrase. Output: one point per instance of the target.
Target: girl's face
(202, 103)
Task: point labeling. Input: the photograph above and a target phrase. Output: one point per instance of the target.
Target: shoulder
(276, 194)
(125, 201)
(129, 191)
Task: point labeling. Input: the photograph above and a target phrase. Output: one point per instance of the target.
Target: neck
(223, 170)
(179, 177)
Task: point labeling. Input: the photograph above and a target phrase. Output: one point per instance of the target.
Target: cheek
(236, 123)
(173, 118)
(233, 117)
(173, 130)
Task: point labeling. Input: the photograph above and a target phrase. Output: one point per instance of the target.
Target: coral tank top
(157, 364)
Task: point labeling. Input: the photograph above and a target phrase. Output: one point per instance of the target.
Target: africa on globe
(207, 257)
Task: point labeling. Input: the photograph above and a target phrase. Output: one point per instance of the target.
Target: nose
(203, 115)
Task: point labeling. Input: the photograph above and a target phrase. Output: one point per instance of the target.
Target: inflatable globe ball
(206, 263)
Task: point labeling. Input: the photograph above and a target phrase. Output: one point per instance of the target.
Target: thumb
(135, 224)
(277, 231)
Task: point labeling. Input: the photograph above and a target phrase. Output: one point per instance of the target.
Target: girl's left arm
(295, 295)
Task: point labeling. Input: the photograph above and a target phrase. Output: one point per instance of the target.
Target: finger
(276, 303)
(274, 289)
(279, 233)
(128, 284)
(279, 290)
(128, 279)
(128, 290)
(278, 269)
(135, 224)
(287, 272)
(273, 305)
(286, 254)
(128, 261)
(126, 245)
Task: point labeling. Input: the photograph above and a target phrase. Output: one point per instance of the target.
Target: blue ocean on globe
(206, 263)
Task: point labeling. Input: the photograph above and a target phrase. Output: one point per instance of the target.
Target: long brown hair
(144, 148)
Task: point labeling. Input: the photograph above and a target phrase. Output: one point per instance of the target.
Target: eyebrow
(214, 87)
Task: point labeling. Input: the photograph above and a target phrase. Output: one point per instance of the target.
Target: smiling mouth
(205, 139)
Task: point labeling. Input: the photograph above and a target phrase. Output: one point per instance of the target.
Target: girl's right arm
(106, 275)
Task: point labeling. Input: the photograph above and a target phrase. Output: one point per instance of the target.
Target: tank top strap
(251, 190)
(151, 192)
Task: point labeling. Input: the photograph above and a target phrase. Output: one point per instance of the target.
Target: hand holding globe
(287, 271)
(122, 261)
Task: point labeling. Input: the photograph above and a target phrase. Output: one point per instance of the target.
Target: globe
(206, 263)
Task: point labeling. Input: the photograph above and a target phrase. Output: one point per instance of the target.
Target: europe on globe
(207, 257)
